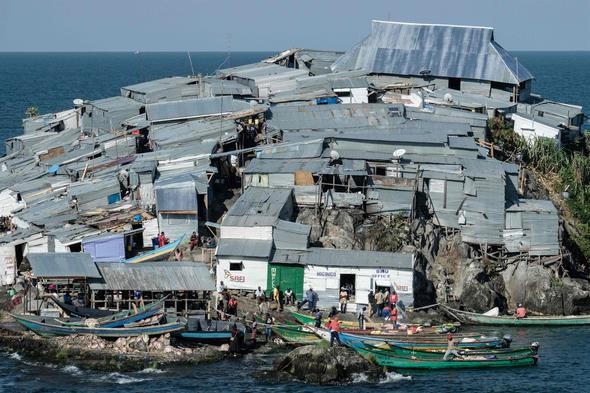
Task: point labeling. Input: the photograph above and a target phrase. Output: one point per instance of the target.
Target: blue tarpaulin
(106, 249)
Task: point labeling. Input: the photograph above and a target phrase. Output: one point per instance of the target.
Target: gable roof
(468, 52)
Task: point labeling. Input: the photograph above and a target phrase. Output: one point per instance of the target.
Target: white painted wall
(150, 229)
(7, 264)
(8, 203)
(326, 280)
(358, 95)
(532, 130)
(255, 233)
(253, 274)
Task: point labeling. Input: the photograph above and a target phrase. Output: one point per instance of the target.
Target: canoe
(296, 335)
(206, 337)
(417, 342)
(157, 254)
(550, 320)
(82, 312)
(44, 326)
(385, 359)
(426, 354)
(376, 328)
(121, 318)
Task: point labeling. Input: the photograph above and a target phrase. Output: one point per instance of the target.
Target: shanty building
(161, 89)
(114, 247)
(532, 226)
(465, 58)
(181, 199)
(246, 236)
(185, 283)
(327, 270)
(108, 114)
(67, 272)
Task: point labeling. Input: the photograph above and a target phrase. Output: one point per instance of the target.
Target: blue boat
(207, 337)
(204, 331)
(157, 254)
(429, 343)
(45, 326)
(122, 318)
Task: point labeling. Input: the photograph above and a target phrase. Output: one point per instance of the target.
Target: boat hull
(206, 337)
(480, 319)
(156, 254)
(296, 335)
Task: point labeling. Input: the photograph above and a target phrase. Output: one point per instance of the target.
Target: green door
(286, 276)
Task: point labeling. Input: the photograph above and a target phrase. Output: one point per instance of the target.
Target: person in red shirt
(393, 297)
(520, 312)
(334, 327)
(393, 315)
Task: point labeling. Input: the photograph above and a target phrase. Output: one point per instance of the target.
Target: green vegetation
(565, 171)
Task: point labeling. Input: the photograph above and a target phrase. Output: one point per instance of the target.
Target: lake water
(51, 81)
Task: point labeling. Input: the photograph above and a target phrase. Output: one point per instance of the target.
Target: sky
(264, 25)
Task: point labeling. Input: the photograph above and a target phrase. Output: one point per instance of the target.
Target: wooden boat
(550, 320)
(377, 328)
(82, 312)
(426, 343)
(157, 254)
(44, 326)
(200, 330)
(296, 335)
(387, 359)
(425, 354)
(207, 337)
(121, 318)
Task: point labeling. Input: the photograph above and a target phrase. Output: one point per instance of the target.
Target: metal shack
(326, 270)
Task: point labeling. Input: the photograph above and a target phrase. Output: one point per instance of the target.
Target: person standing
(268, 327)
(308, 299)
(360, 316)
(289, 296)
(318, 318)
(276, 296)
(393, 315)
(343, 299)
(314, 299)
(254, 328)
(371, 303)
(379, 300)
(259, 294)
(393, 297)
(334, 327)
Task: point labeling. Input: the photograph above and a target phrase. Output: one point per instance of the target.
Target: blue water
(563, 367)
(51, 81)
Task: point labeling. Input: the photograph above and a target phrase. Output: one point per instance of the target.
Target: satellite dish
(398, 154)
(334, 155)
(448, 97)
(78, 102)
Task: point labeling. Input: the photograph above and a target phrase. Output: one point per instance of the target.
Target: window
(343, 93)
(236, 266)
(454, 83)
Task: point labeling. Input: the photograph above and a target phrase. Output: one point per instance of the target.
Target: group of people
(227, 305)
(277, 296)
(201, 241)
(384, 304)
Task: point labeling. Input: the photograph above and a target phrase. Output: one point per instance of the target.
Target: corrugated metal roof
(67, 264)
(158, 84)
(465, 143)
(269, 165)
(533, 205)
(253, 248)
(305, 149)
(348, 258)
(193, 108)
(258, 206)
(289, 235)
(157, 276)
(442, 50)
(116, 104)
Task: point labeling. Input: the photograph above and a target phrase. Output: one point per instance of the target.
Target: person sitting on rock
(520, 311)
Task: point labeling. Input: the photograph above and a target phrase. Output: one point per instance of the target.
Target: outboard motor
(506, 341)
(534, 346)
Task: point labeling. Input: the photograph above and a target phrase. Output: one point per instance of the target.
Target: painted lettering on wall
(233, 277)
(326, 274)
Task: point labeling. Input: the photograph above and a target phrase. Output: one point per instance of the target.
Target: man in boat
(334, 326)
(67, 298)
(520, 311)
(450, 348)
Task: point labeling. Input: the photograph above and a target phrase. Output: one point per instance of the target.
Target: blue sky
(149, 25)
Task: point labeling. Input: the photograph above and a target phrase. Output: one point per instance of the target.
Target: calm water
(51, 81)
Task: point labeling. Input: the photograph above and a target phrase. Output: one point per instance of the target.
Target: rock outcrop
(321, 365)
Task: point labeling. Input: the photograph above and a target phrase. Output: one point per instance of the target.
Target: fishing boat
(157, 254)
(121, 318)
(376, 327)
(549, 320)
(387, 359)
(200, 330)
(45, 326)
(426, 343)
(296, 335)
(426, 354)
(82, 312)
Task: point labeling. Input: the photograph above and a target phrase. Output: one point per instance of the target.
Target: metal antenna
(191, 62)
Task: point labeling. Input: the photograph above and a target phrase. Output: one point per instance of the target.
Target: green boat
(550, 320)
(352, 325)
(437, 354)
(388, 359)
(296, 335)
